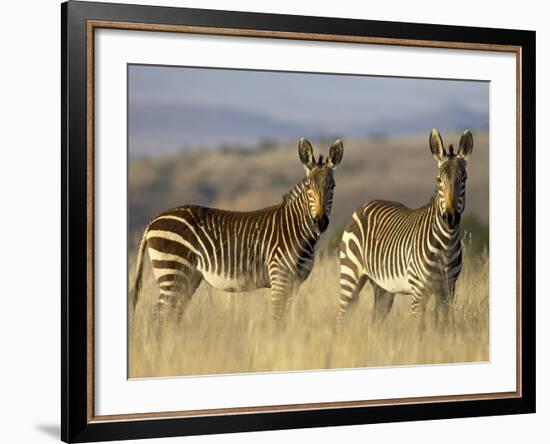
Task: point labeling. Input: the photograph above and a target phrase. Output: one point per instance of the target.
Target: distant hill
(450, 118)
(170, 128)
(167, 129)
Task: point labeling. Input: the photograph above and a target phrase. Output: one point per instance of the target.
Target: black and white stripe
(241, 251)
(412, 251)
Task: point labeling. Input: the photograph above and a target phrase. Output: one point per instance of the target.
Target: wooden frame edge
(90, 119)
(236, 32)
(78, 423)
(304, 407)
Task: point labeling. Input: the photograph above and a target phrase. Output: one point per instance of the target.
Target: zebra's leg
(443, 305)
(187, 292)
(175, 291)
(167, 302)
(279, 294)
(419, 299)
(383, 302)
(163, 314)
(282, 284)
(291, 292)
(352, 275)
(350, 287)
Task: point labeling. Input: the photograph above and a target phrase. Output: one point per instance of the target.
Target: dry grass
(232, 333)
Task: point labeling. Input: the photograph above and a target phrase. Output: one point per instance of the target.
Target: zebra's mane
(294, 192)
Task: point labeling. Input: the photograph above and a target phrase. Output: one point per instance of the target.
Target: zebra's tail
(139, 271)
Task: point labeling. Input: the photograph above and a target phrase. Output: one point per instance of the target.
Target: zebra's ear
(466, 145)
(437, 147)
(335, 154)
(305, 151)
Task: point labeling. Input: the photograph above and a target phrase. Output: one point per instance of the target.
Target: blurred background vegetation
(399, 168)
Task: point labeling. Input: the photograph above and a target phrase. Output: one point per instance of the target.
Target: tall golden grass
(225, 333)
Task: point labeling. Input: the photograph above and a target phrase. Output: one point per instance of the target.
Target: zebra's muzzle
(322, 223)
(452, 218)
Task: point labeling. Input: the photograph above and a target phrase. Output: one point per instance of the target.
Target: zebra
(411, 251)
(241, 251)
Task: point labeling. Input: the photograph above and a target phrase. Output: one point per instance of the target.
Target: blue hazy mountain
(178, 108)
(163, 129)
(157, 129)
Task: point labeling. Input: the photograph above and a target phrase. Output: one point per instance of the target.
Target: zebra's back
(228, 248)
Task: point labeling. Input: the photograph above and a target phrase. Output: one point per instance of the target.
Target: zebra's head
(319, 182)
(451, 179)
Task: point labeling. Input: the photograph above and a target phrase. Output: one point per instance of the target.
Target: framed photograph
(275, 221)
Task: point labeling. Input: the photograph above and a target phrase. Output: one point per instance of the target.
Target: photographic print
(276, 221)
(286, 221)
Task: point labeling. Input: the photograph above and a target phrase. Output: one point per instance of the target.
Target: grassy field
(229, 333)
(225, 333)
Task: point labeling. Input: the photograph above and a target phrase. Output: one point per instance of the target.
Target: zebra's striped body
(412, 251)
(241, 251)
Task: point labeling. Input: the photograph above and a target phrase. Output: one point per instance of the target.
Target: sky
(178, 108)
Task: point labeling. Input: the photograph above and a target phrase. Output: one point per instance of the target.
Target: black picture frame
(77, 425)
